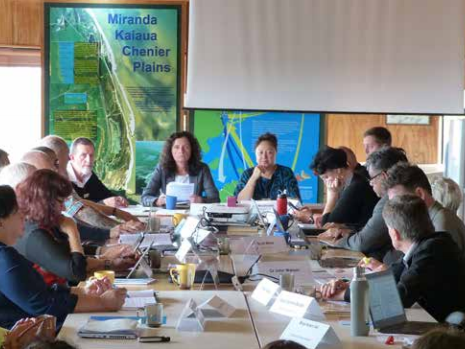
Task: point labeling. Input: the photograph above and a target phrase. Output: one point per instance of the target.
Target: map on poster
(227, 139)
(112, 75)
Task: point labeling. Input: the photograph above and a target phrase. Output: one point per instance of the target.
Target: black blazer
(435, 277)
(355, 205)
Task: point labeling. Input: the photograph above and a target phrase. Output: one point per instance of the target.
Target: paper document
(138, 299)
(157, 239)
(182, 191)
(123, 282)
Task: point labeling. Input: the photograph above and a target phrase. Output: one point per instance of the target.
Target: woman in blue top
(23, 292)
(267, 179)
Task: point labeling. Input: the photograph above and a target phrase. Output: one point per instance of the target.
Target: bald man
(38, 159)
(354, 165)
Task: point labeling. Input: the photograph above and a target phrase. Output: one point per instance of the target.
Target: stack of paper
(182, 191)
(138, 299)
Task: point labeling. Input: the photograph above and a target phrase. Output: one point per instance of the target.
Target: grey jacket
(373, 240)
(160, 178)
(445, 220)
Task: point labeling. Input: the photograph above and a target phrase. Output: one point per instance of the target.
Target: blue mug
(284, 234)
(171, 202)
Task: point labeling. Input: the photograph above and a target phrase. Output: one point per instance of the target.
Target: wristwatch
(107, 264)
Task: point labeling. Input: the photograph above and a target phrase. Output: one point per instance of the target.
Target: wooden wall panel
(347, 130)
(6, 23)
(27, 22)
(420, 142)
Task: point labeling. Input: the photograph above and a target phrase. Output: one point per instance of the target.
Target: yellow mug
(110, 274)
(177, 218)
(183, 275)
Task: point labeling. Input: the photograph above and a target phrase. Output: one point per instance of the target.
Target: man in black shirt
(85, 181)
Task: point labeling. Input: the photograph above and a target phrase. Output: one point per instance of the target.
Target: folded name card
(191, 319)
(183, 251)
(297, 306)
(265, 291)
(311, 334)
(216, 307)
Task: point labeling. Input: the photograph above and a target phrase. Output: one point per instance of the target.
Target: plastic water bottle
(359, 304)
(281, 203)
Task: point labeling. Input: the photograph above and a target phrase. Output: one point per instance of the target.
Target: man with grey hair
(432, 270)
(373, 239)
(88, 211)
(14, 174)
(85, 181)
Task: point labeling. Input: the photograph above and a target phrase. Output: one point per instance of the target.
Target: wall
(420, 142)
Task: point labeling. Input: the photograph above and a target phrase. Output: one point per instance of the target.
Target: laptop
(386, 308)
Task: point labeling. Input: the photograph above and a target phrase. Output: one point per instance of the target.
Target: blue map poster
(227, 139)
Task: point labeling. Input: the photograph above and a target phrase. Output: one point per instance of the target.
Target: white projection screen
(385, 56)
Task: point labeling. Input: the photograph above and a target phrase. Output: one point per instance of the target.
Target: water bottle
(359, 304)
(281, 203)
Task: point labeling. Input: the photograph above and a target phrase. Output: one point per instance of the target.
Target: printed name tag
(265, 291)
(311, 334)
(291, 304)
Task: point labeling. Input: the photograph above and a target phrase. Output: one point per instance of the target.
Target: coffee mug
(177, 218)
(183, 275)
(286, 281)
(153, 315)
(110, 274)
(231, 201)
(170, 202)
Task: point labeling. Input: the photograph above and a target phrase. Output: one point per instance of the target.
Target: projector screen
(376, 56)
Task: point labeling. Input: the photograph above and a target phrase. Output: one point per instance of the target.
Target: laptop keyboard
(411, 327)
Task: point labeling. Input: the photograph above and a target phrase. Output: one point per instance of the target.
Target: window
(20, 109)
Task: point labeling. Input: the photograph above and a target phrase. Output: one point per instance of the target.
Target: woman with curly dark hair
(23, 292)
(51, 240)
(180, 162)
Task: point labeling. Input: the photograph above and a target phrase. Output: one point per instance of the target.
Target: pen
(154, 339)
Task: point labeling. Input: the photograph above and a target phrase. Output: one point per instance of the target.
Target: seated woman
(180, 162)
(23, 292)
(349, 198)
(52, 241)
(267, 179)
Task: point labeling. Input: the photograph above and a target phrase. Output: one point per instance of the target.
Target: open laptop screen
(385, 304)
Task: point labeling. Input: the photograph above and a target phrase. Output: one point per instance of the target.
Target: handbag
(43, 327)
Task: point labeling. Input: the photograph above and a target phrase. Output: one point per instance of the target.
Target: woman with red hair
(23, 292)
(51, 240)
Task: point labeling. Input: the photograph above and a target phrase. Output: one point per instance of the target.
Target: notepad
(109, 329)
(138, 299)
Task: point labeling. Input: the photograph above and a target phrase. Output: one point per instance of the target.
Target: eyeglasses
(374, 177)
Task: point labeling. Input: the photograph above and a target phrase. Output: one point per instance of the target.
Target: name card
(189, 227)
(265, 291)
(297, 306)
(146, 268)
(216, 307)
(311, 334)
(183, 251)
(301, 269)
(259, 245)
(191, 319)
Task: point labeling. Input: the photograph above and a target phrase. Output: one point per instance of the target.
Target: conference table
(252, 325)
